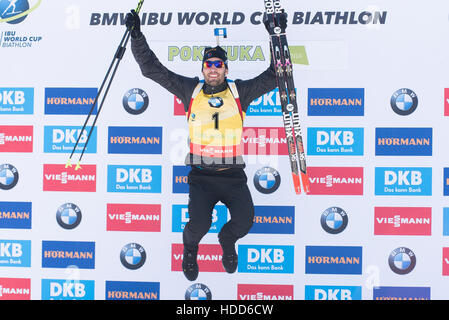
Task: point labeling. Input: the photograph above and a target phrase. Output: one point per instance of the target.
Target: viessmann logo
(16, 138)
(264, 141)
(15, 289)
(59, 178)
(336, 180)
(209, 257)
(403, 221)
(133, 217)
(264, 292)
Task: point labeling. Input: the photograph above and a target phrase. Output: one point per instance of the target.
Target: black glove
(280, 18)
(132, 22)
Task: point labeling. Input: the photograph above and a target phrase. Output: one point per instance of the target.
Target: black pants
(206, 188)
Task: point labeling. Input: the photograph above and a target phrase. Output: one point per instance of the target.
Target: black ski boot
(229, 258)
(189, 264)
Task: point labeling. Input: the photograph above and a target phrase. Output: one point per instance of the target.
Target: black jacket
(183, 87)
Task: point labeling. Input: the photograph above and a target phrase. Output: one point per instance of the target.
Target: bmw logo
(133, 256)
(68, 216)
(267, 180)
(9, 176)
(334, 220)
(404, 101)
(402, 260)
(198, 291)
(135, 101)
(215, 102)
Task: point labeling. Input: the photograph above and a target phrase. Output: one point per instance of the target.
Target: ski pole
(116, 59)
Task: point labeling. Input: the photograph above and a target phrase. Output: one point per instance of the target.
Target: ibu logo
(403, 181)
(16, 100)
(335, 141)
(62, 139)
(265, 259)
(56, 289)
(134, 179)
(333, 293)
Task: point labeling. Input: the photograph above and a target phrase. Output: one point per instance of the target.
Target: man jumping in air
(215, 109)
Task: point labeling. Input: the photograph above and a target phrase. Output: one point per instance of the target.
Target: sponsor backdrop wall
(373, 95)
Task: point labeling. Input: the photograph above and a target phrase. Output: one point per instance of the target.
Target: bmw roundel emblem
(9, 176)
(198, 291)
(133, 256)
(267, 180)
(68, 216)
(215, 102)
(334, 220)
(402, 260)
(135, 101)
(404, 101)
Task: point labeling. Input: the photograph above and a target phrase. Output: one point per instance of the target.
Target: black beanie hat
(216, 52)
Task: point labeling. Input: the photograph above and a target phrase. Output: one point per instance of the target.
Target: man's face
(214, 76)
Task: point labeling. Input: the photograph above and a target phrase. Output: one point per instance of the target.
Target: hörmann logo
(336, 102)
(127, 290)
(70, 100)
(401, 293)
(274, 220)
(333, 260)
(403, 141)
(15, 215)
(61, 254)
(135, 140)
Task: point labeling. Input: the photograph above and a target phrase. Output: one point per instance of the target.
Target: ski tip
(68, 164)
(78, 166)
